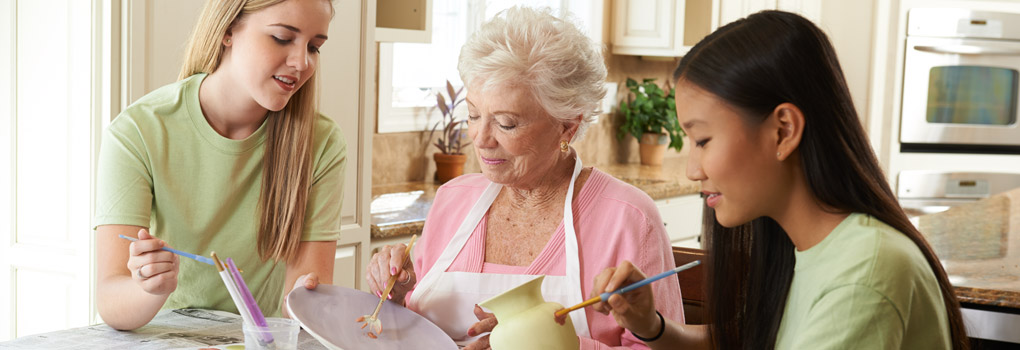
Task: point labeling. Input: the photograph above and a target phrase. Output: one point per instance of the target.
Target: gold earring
(563, 146)
(228, 41)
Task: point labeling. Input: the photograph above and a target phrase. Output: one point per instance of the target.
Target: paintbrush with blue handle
(605, 296)
(199, 258)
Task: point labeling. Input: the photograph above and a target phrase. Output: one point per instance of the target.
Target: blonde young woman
(231, 158)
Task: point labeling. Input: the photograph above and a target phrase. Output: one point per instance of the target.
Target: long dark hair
(755, 64)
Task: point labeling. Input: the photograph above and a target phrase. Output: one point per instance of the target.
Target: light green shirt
(865, 286)
(162, 166)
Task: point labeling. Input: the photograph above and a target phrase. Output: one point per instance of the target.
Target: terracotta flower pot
(449, 166)
(653, 148)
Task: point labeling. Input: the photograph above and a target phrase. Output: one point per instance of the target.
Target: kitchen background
(103, 54)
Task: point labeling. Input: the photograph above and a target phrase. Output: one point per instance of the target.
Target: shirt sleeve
(124, 180)
(326, 195)
(852, 316)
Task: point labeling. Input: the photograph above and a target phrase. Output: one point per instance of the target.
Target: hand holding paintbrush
(373, 319)
(632, 305)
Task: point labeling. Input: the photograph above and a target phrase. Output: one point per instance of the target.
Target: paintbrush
(373, 319)
(235, 295)
(265, 338)
(605, 296)
(198, 258)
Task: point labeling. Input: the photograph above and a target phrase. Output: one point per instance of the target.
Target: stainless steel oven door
(961, 92)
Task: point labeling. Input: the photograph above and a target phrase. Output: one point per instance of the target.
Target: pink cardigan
(614, 221)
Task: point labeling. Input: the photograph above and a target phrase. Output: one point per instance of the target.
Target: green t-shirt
(162, 166)
(865, 286)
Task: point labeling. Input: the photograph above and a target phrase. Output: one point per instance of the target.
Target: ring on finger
(408, 280)
(140, 275)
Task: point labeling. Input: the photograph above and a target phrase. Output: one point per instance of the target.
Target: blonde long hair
(287, 165)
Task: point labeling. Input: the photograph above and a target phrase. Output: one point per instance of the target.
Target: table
(170, 329)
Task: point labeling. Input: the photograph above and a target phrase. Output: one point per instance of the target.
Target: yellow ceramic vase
(526, 320)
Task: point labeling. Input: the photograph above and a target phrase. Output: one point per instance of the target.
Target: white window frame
(411, 119)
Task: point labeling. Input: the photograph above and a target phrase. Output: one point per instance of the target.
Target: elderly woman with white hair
(534, 83)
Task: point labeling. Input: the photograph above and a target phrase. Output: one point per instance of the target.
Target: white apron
(448, 298)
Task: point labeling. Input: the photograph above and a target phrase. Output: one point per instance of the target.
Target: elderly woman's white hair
(562, 67)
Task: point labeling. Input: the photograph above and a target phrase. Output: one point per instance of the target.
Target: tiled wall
(405, 157)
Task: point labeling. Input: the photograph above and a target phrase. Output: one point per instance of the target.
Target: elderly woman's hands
(486, 322)
(634, 310)
(387, 262)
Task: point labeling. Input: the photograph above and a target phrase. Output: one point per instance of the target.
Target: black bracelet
(662, 329)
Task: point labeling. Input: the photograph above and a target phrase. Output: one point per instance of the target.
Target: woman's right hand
(155, 270)
(634, 310)
(387, 262)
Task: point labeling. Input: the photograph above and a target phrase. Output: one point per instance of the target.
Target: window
(409, 73)
(48, 129)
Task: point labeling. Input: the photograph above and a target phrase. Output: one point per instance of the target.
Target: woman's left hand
(309, 281)
(486, 322)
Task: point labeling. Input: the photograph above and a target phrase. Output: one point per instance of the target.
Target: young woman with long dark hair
(807, 246)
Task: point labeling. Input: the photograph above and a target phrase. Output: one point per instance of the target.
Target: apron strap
(573, 256)
(460, 238)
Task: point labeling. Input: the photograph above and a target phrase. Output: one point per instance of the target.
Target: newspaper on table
(170, 329)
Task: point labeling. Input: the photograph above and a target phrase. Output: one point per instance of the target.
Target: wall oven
(960, 82)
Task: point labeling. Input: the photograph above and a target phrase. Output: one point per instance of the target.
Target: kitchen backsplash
(407, 157)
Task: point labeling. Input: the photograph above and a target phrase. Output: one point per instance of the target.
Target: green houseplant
(649, 114)
(450, 159)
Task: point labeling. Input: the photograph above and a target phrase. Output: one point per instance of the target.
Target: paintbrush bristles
(219, 264)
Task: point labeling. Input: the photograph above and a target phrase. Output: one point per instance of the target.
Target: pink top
(614, 222)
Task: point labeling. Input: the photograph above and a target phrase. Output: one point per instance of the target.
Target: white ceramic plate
(329, 312)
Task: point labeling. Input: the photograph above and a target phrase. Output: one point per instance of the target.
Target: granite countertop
(400, 209)
(979, 245)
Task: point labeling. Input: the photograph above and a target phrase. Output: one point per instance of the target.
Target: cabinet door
(345, 266)
(157, 30)
(404, 21)
(682, 217)
(732, 10)
(648, 27)
(343, 64)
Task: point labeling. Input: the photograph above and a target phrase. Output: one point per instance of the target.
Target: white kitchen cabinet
(682, 217)
(345, 266)
(408, 21)
(671, 27)
(732, 10)
(661, 27)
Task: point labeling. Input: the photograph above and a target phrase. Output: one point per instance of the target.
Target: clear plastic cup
(280, 334)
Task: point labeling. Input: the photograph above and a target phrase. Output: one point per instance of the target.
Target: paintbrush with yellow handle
(373, 319)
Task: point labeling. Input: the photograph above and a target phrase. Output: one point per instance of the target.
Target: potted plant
(650, 115)
(449, 160)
